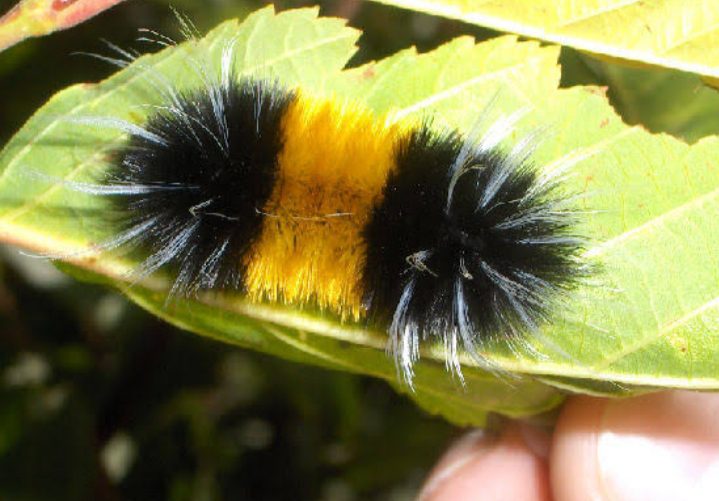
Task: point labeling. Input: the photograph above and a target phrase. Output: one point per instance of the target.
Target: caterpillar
(247, 185)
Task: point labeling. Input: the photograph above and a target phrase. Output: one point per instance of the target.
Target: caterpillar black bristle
(469, 243)
(201, 182)
(241, 184)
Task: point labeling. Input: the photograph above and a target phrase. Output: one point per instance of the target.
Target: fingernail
(660, 447)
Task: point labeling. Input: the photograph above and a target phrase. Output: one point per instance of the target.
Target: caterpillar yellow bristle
(246, 185)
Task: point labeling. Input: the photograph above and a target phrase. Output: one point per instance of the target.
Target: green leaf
(650, 317)
(667, 33)
(645, 319)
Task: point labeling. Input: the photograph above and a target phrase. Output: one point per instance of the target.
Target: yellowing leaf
(677, 34)
(33, 18)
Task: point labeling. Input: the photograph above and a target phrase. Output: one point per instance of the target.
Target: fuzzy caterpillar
(244, 185)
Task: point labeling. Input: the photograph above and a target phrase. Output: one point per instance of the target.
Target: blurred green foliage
(99, 400)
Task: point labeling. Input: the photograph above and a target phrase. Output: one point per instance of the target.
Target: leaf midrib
(541, 33)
